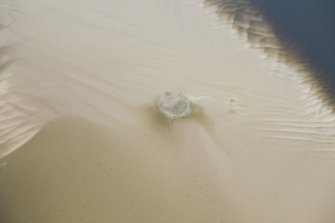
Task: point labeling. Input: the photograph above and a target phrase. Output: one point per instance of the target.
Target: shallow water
(258, 146)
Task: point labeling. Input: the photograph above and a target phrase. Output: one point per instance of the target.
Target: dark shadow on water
(307, 28)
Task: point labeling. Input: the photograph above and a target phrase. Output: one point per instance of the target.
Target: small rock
(173, 106)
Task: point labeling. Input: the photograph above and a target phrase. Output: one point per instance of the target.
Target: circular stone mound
(173, 106)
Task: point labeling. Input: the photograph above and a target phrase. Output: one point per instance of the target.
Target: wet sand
(258, 147)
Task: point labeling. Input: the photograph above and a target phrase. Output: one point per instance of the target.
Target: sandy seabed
(81, 140)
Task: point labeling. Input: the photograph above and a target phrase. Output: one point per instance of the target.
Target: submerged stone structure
(173, 106)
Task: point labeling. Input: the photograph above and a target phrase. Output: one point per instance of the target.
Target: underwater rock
(173, 106)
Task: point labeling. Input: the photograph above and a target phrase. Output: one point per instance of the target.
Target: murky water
(78, 80)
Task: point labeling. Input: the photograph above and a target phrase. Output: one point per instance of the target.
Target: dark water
(308, 28)
(305, 30)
